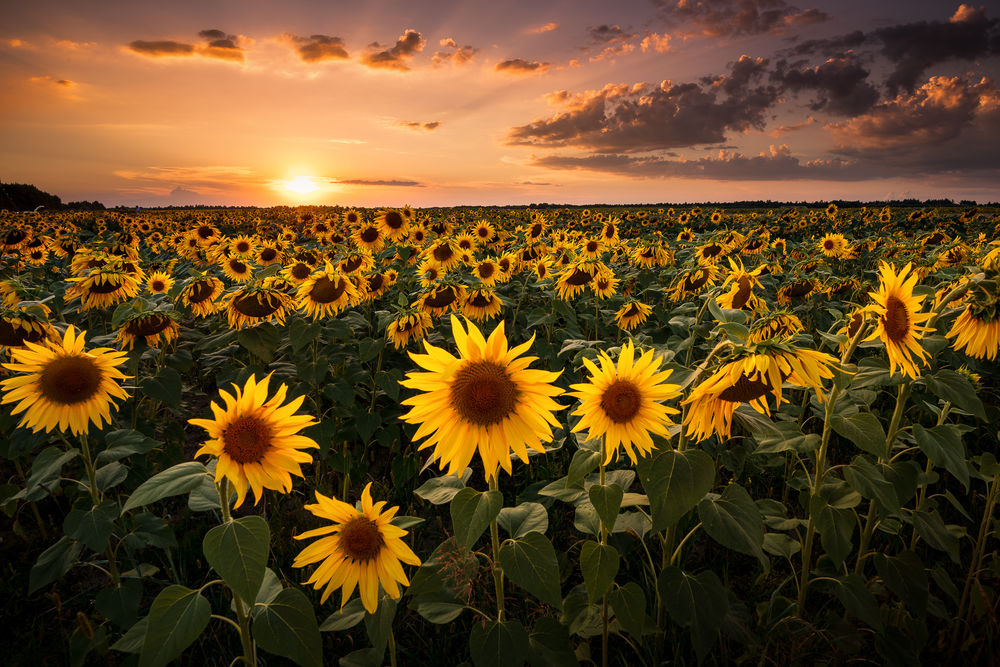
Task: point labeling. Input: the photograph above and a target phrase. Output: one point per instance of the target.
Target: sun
(302, 185)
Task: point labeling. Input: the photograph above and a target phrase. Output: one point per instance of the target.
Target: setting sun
(302, 185)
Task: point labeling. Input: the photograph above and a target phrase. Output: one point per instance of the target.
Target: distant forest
(25, 197)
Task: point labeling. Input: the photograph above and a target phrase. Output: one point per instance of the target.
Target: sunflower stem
(604, 598)
(976, 563)
(392, 649)
(88, 463)
(249, 649)
(223, 488)
(34, 506)
(497, 572)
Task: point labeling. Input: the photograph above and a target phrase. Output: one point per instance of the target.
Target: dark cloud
(602, 34)
(520, 66)
(213, 34)
(426, 126)
(408, 44)
(458, 55)
(385, 183)
(830, 46)
(161, 48)
(626, 119)
(733, 18)
(841, 84)
(317, 48)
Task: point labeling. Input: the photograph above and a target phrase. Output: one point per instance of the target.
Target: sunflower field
(500, 436)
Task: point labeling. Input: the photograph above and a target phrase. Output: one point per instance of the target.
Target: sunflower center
(442, 253)
(442, 298)
(829, 244)
(13, 336)
(800, 288)
(486, 270)
(353, 263)
(243, 247)
(247, 439)
(148, 326)
(621, 401)
(325, 291)
(70, 380)
(268, 254)
(483, 393)
(480, 301)
(592, 246)
(301, 271)
(361, 539)
(369, 235)
(237, 267)
(742, 294)
(896, 320)
(158, 286)
(200, 291)
(744, 390)
(256, 305)
(393, 220)
(104, 287)
(579, 277)
(692, 283)
(375, 282)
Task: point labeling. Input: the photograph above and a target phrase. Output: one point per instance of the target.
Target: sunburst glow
(302, 185)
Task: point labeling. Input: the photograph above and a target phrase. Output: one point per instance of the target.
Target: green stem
(497, 572)
(392, 649)
(604, 599)
(34, 506)
(922, 494)
(249, 648)
(88, 463)
(976, 563)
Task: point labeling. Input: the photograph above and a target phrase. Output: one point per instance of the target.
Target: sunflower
(200, 296)
(237, 270)
(439, 299)
(256, 440)
(242, 247)
(604, 284)
(442, 252)
(102, 287)
(429, 273)
(691, 281)
(159, 282)
(796, 289)
(484, 231)
(487, 271)
(899, 322)
(711, 252)
(632, 314)
(253, 305)
(487, 399)
(741, 284)
(760, 370)
(149, 326)
(623, 403)
(368, 238)
(779, 324)
(466, 242)
(543, 268)
(408, 326)
(297, 272)
(326, 292)
(834, 245)
(357, 262)
(352, 218)
(63, 386)
(267, 253)
(481, 303)
(362, 548)
(977, 331)
(394, 225)
(19, 326)
(575, 278)
(591, 248)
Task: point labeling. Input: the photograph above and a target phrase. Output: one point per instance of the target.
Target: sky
(440, 103)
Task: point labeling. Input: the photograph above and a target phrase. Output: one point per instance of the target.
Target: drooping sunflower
(691, 281)
(256, 440)
(252, 305)
(485, 400)
(977, 331)
(18, 326)
(798, 288)
(368, 238)
(632, 314)
(623, 403)
(62, 386)
(357, 262)
(102, 287)
(899, 322)
(408, 326)
(481, 303)
(757, 371)
(326, 292)
(152, 327)
(779, 324)
(237, 270)
(741, 288)
(201, 294)
(362, 548)
(575, 278)
(439, 299)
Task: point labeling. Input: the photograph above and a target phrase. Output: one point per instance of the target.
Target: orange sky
(442, 103)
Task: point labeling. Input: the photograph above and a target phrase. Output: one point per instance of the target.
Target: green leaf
(368, 348)
(675, 482)
(699, 602)
(734, 521)
(931, 529)
(858, 600)
(301, 333)
(943, 446)
(607, 500)
(867, 479)
(166, 387)
(523, 519)
(110, 475)
(237, 550)
(530, 562)
(906, 577)
(286, 626)
(181, 478)
(835, 526)
(599, 564)
(864, 430)
(379, 624)
(951, 386)
(786, 437)
(629, 605)
(177, 617)
(780, 544)
(269, 588)
(366, 424)
(92, 526)
(472, 511)
(120, 604)
(53, 563)
(261, 340)
(131, 641)
(346, 618)
(45, 472)
(583, 463)
(549, 644)
(498, 644)
(439, 613)
(125, 442)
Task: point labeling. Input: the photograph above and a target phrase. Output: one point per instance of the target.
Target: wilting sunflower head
(252, 305)
(899, 320)
(362, 547)
(18, 326)
(623, 403)
(977, 330)
(481, 303)
(151, 327)
(485, 400)
(632, 314)
(326, 292)
(256, 439)
(61, 386)
(410, 325)
(200, 295)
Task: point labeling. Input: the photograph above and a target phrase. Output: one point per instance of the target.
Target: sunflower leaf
(523, 519)
(472, 511)
(499, 644)
(864, 430)
(950, 386)
(699, 602)
(237, 550)
(607, 500)
(178, 616)
(92, 526)
(599, 564)
(166, 387)
(531, 563)
(675, 482)
(181, 478)
(734, 521)
(53, 563)
(943, 446)
(286, 626)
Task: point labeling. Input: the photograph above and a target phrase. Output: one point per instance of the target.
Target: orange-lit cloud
(64, 83)
(390, 183)
(655, 42)
(317, 48)
(217, 45)
(457, 55)
(521, 66)
(397, 57)
(427, 126)
(548, 27)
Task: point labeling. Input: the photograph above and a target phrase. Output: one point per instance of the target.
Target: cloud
(393, 183)
(841, 84)
(379, 57)
(521, 66)
(216, 44)
(458, 55)
(208, 179)
(63, 83)
(317, 48)
(794, 127)
(735, 18)
(548, 27)
(625, 119)
(346, 141)
(427, 126)
(602, 34)
(655, 42)
(777, 163)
